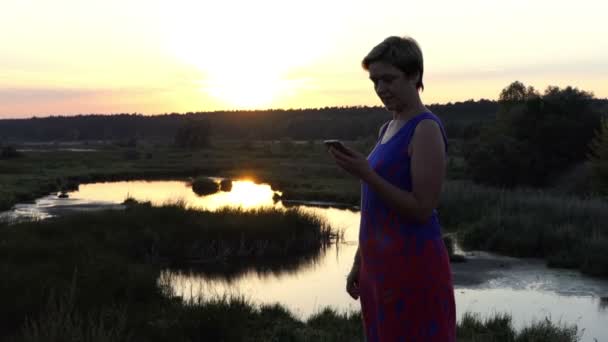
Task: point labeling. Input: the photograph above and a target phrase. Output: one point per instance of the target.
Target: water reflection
(304, 292)
(244, 193)
(231, 272)
(97, 196)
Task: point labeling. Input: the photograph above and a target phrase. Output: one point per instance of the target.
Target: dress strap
(383, 129)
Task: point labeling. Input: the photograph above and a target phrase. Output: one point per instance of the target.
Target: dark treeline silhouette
(536, 136)
(300, 124)
(460, 118)
(599, 158)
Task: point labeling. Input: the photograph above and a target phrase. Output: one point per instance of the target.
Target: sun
(246, 56)
(243, 88)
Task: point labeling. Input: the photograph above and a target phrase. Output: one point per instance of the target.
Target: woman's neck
(412, 107)
(410, 111)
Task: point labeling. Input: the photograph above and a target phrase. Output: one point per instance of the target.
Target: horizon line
(43, 116)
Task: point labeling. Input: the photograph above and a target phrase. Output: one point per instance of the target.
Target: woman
(401, 270)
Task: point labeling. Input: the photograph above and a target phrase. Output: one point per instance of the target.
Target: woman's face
(392, 85)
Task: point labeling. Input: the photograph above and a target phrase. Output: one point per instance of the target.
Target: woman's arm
(427, 169)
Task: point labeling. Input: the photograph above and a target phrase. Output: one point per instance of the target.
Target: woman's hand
(352, 162)
(352, 282)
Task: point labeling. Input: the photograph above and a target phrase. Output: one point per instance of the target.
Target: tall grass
(235, 318)
(568, 232)
(499, 328)
(61, 321)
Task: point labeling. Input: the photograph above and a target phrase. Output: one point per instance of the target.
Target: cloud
(19, 95)
(24, 102)
(587, 68)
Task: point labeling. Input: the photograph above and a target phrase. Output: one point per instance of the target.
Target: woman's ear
(413, 77)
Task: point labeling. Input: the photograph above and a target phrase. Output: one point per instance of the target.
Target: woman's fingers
(340, 158)
(357, 165)
(352, 285)
(352, 289)
(336, 153)
(343, 157)
(351, 152)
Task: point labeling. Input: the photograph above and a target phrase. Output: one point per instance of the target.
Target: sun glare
(245, 61)
(244, 88)
(244, 194)
(250, 195)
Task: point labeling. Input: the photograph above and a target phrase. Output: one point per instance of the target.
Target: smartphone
(337, 144)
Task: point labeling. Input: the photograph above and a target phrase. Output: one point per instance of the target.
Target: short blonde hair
(403, 53)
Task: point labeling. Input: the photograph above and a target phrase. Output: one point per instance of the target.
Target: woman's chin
(391, 107)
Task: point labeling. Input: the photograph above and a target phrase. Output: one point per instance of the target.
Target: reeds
(566, 231)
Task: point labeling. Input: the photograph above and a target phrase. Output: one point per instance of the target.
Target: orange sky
(157, 56)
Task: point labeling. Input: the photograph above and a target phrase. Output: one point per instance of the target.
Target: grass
(499, 328)
(237, 319)
(567, 232)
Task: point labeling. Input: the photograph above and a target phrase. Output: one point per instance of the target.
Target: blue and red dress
(405, 279)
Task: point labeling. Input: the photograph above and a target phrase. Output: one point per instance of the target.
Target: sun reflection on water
(244, 193)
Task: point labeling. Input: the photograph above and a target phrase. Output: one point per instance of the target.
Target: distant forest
(346, 123)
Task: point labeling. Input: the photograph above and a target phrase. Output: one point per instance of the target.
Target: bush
(204, 186)
(599, 158)
(577, 181)
(226, 185)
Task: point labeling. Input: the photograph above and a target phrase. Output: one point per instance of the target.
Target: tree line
(537, 138)
(347, 123)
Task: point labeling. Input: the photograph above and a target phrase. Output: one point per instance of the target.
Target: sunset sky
(159, 56)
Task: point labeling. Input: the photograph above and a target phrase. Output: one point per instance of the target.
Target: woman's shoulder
(430, 125)
(428, 115)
